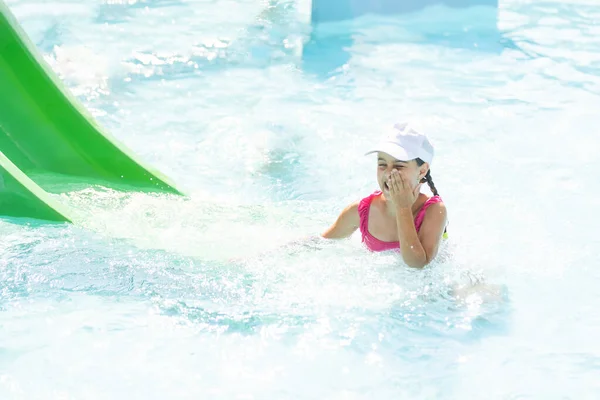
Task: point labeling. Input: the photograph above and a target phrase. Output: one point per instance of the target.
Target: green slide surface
(44, 128)
(21, 197)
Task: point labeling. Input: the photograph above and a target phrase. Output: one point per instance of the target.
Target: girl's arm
(346, 224)
(417, 249)
(420, 249)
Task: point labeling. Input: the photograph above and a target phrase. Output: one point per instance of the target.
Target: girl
(398, 216)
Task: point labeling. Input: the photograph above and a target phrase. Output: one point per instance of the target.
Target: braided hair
(429, 181)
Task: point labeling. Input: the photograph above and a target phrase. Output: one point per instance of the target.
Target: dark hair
(427, 179)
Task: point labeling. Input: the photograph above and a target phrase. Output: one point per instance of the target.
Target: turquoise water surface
(263, 120)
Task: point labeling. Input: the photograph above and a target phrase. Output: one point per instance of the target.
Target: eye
(381, 165)
(398, 166)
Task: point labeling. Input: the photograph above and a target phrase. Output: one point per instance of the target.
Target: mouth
(385, 186)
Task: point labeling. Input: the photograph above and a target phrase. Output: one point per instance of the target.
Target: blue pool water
(263, 121)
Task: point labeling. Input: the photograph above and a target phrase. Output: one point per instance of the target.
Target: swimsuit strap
(369, 240)
(421, 214)
(363, 212)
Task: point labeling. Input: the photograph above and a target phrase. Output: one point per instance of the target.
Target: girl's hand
(403, 195)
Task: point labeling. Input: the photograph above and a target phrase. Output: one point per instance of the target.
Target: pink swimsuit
(371, 241)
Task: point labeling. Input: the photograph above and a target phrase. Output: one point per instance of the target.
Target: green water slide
(43, 128)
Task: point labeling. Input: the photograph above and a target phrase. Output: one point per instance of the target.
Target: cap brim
(398, 152)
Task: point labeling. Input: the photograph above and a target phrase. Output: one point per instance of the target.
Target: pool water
(263, 121)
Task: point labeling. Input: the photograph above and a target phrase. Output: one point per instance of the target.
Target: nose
(388, 171)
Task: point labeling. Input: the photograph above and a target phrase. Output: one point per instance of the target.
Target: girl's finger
(402, 181)
(396, 179)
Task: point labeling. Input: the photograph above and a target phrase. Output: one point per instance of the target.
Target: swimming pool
(263, 122)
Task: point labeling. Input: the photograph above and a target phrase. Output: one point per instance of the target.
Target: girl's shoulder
(435, 199)
(365, 202)
(434, 206)
(432, 203)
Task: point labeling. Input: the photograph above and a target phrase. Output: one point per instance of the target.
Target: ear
(423, 170)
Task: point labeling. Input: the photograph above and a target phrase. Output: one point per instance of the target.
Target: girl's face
(411, 172)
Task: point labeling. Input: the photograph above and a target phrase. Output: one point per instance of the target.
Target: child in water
(398, 216)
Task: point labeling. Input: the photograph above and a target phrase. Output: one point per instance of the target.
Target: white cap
(404, 143)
